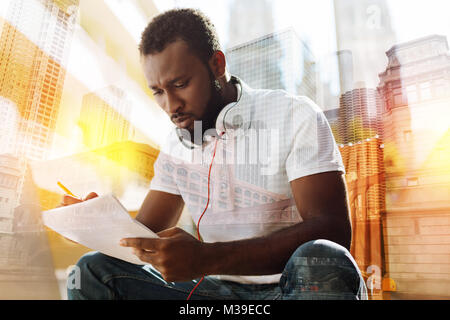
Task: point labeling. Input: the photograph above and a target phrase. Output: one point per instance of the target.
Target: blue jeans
(318, 269)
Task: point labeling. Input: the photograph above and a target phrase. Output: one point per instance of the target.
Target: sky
(312, 20)
(411, 19)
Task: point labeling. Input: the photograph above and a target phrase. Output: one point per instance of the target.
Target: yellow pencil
(66, 190)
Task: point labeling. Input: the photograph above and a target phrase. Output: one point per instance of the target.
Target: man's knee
(91, 262)
(321, 248)
(89, 259)
(321, 268)
(87, 279)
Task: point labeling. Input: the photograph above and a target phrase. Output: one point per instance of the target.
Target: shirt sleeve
(163, 180)
(312, 148)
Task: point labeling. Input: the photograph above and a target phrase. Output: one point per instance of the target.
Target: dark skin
(321, 199)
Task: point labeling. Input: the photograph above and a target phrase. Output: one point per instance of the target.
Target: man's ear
(217, 63)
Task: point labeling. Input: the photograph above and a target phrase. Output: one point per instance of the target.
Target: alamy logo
(374, 17)
(73, 277)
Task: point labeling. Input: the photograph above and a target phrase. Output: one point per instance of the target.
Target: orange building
(34, 47)
(366, 191)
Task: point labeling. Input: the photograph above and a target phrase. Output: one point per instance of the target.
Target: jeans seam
(112, 277)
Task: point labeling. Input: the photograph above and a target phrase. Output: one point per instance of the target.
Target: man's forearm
(269, 254)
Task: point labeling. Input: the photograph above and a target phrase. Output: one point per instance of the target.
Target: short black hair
(190, 25)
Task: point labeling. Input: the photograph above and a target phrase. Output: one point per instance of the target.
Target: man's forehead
(174, 61)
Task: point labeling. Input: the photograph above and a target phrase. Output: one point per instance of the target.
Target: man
(272, 228)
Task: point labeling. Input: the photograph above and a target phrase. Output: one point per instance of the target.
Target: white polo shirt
(270, 138)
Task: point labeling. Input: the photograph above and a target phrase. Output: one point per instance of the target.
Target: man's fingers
(91, 195)
(140, 243)
(68, 200)
(143, 255)
(169, 232)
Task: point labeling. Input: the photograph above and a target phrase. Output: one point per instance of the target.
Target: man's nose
(173, 104)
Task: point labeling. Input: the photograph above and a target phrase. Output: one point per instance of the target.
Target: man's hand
(68, 200)
(177, 255)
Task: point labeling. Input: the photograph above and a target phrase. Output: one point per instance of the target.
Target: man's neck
(229, 93)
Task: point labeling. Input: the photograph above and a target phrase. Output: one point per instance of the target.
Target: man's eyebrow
(154, 87)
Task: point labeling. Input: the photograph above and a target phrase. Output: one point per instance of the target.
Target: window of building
(412, 93)
(398, 99)
(425, 90)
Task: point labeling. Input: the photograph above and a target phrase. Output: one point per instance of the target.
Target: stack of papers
(99, 224)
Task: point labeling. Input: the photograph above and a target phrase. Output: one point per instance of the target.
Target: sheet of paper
(98, 224)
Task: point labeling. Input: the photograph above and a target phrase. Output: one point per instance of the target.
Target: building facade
(364, 29)
(10, 175)
(366, 188)
(276, 61)
(26, 266)
(103, 117)
(244, 27)
(415, 89)
(34, 47)
(359, 115)
(9, 120)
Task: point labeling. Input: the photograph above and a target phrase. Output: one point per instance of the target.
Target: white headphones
(229, 118)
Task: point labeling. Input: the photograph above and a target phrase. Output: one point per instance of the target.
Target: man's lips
(183, 122)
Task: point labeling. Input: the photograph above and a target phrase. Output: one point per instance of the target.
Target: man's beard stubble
(214, 106)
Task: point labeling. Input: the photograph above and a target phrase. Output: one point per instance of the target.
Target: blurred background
(75, 107)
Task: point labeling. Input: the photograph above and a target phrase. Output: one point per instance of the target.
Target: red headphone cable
(206, 207)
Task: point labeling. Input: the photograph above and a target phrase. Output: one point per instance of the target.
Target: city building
(26, 267)
(332, 116)
(103, 118)
(359, 115)
(345, 63)
(246, 27)
(276, 61)
(10, 174)
(34, 45)
(123, 168)
(8, 129)
(415, 91)
(366, 189)
(363, 28)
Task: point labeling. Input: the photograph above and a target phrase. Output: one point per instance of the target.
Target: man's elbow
(340, 232)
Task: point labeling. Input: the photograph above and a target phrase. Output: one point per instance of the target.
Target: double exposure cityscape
(75, 107)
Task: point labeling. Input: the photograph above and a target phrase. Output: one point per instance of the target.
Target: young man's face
(183, 86)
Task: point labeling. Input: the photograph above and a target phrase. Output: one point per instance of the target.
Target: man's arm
(321, 199)
(160, 210)
(322, 202)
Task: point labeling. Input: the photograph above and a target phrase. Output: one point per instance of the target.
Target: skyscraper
(345, 62)
(276, 61)
(103, 117)
(366, 193)
(359, 115)
(34, 46)
(8, 128)
(248, 20)
(415, 88)
(364, 28)
(26, 269)
(10, 174)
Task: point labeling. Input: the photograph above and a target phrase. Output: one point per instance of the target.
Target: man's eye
(180, 85)
(157, 93)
